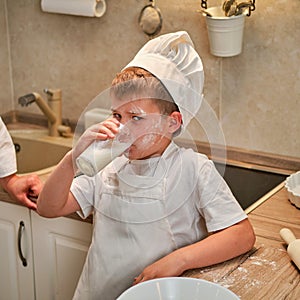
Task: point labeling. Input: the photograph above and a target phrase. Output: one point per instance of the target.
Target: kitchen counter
(265, 272)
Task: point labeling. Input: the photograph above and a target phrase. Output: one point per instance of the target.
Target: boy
(158, 209)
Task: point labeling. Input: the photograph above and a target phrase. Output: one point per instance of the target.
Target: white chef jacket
(144, 210)
(8, 164)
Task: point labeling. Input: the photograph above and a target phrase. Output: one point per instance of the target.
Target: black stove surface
(249, 185)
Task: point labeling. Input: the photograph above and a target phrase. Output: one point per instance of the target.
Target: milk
(100, 153)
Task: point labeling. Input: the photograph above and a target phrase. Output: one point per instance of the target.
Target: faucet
(52, 110)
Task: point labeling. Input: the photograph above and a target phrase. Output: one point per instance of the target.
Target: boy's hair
(137, 83)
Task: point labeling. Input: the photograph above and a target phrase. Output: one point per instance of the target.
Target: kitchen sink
(36, 151)
(250, 185)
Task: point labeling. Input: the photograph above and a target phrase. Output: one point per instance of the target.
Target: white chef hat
(173, 60)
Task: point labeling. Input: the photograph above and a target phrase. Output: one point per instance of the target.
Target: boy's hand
(168, 266)
(101, 131)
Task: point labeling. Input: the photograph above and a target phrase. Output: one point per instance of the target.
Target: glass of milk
(100, 153)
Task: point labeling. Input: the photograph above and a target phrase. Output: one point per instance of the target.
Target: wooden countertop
(265, 272)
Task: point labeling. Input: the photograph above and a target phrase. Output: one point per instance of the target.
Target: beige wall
(255, 95)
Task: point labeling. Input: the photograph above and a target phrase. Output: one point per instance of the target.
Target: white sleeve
(83, 189)
(217, 204)
(8, 164)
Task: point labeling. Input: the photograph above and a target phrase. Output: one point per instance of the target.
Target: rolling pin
(293, 248)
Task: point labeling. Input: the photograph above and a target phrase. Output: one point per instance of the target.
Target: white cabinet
(55, 251)
(16, 281)
(60, 246)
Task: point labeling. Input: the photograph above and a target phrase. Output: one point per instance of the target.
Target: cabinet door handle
(20, 233)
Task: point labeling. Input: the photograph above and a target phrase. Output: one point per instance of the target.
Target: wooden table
(265, 272)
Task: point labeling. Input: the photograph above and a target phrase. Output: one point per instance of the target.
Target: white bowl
(177, 288)
(292, 185)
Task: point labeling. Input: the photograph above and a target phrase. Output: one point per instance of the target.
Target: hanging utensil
(229, 7)
(242, 7)
(150, 19)
(233, 8)
(204, 12)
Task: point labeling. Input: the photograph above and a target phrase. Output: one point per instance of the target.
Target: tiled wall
(256, 95)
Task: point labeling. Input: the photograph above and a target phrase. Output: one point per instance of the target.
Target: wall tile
(5, 80)
(261, 90)
(254, 95)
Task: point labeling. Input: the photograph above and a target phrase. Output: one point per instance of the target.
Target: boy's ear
(175, 121)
